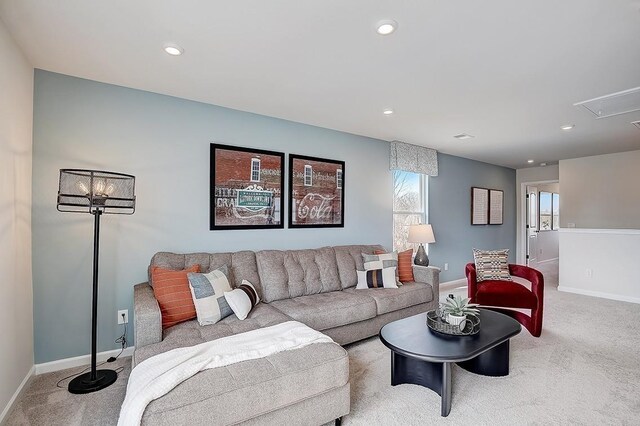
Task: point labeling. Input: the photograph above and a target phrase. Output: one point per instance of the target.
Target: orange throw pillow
(171, 289)
(405, 266)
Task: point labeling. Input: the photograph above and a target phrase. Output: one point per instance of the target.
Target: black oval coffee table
(423, 357)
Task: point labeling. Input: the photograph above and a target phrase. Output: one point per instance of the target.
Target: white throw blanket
(159, 374)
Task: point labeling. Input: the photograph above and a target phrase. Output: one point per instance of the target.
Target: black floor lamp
(96, 192)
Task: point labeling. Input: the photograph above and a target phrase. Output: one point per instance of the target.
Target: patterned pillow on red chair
(492, 265)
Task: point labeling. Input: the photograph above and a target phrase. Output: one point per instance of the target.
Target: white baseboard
(79, 361)
(17, 394)
(449, 285)
(599, 294)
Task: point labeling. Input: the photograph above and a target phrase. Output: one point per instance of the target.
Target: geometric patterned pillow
(492, 265)
(380, 260)
(207, 291)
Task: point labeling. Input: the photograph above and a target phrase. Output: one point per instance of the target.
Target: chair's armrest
(534, 276)
(147, 319)
(429, 275)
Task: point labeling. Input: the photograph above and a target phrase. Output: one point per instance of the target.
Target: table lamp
(95, 192)
(421, 234)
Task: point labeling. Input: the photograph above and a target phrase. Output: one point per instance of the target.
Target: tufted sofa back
(279, 274)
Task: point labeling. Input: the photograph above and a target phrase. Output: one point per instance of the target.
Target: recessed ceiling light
(463, 136)
(529, 161)
(543, 164)
(386, 27)
(568, 126)
(173, 49)
(387, 111)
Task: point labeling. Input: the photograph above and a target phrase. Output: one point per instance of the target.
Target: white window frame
(255, 161)
(308, 175)
(424, 204)
(339, 179)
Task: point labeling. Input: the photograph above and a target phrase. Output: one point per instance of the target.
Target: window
(409, 206)
(308, 175)
(255, 170)
(339, 178)
(545, 210)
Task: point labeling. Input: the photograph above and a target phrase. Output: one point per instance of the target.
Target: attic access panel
(613, 104)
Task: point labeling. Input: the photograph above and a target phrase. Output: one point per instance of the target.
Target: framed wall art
(496, 206)
(479, 206)
(316, 192)
(246, 188)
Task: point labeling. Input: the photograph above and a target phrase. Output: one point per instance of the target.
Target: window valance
(413, 158)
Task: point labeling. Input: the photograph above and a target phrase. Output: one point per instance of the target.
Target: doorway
(540, 224)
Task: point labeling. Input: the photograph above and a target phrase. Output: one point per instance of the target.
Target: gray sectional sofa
(308, 386)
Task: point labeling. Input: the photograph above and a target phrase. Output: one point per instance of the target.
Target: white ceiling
(505, 71)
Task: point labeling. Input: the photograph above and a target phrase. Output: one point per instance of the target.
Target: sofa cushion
(294, 273)
(393, 299)
(245, 390)
(349, 259)
(242, 265)
(328, 310)
(190, 333)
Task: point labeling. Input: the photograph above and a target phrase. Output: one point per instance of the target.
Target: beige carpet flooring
(585, 369)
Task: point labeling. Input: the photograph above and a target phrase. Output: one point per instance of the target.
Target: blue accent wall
(450, 213)
(163, 141)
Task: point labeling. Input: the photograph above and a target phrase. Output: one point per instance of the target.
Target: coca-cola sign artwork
(246, 188)
(316, 192)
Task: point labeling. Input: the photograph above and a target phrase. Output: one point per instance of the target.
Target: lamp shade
(421, 234)
(84, 191)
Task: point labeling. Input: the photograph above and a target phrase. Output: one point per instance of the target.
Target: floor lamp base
(84, 384)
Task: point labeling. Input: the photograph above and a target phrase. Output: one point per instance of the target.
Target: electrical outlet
(446, 266)
(124, 320)
(589, 273)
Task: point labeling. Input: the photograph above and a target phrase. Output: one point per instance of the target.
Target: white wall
(602, 263)
(532, 174)
(602, 191)
(16, 301)
(601, 255)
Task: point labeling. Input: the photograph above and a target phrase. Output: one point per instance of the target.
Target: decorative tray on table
(468, 327)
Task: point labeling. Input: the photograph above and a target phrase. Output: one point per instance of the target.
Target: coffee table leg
(445, 405)
(494, 362)
(433, 375)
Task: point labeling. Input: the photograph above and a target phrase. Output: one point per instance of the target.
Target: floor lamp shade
(95, 192)
(84, 191)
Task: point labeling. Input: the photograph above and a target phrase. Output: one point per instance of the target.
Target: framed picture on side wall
(246, 188)
(316, 192)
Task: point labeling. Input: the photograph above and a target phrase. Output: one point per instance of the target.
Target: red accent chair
(510, 294)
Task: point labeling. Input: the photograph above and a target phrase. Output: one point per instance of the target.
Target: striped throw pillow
(377, 278)
(243, 299)
(492, 265)
(207, 292)
(172, 292)
(405, 265)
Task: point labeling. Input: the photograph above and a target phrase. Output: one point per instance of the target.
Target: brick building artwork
(316, 188)
(246, 188)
